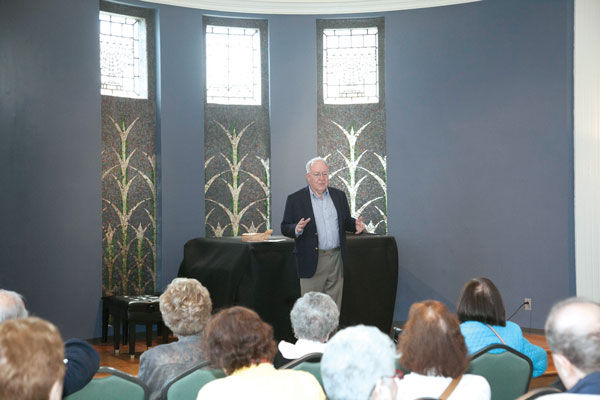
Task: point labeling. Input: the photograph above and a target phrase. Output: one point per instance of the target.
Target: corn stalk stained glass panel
(351, 114)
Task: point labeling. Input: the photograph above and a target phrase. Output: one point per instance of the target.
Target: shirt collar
(313, 194)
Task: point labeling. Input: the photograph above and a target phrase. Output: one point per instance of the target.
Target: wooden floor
(123, 362)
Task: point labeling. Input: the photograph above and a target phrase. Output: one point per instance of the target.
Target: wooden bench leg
(116, 334)
(105, 315)
(125, 331)
(131, 339)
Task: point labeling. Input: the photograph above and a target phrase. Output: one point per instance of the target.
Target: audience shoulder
(479, 382)
(514, 326)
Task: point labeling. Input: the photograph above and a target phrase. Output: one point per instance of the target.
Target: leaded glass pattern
(233, 73)
(350, 67)
(123, 65)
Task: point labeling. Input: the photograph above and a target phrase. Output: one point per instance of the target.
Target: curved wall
(479, 136)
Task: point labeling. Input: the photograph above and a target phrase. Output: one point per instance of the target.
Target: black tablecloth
(262, 276)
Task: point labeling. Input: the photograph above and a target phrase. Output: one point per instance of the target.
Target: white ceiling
(308, 7)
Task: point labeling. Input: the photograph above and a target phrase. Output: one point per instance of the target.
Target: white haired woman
(359, 364)
(185, 307)
(314, 317)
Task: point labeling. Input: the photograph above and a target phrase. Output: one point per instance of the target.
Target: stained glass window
(233, 65)
(123, 66)
(350, 67)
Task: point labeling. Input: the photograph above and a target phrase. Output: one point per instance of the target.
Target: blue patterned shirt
(326, 219)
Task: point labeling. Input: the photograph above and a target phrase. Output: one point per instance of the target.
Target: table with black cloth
(262, 276)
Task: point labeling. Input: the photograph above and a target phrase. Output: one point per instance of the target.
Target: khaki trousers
(329, 277)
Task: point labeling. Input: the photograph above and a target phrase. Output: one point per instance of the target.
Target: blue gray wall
(50, 236)
(481, 163)
(479, 133)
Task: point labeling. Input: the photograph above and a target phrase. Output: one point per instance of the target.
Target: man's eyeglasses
(319, 174)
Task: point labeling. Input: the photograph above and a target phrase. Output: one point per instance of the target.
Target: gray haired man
(573, 333)
(317, 218)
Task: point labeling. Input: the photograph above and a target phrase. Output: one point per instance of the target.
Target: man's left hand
(360, 226)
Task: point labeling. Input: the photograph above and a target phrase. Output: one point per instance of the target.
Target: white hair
(185, 306)
(314, 316)
(573, 330)
(354, 360)
(11, 305)
(312, 160)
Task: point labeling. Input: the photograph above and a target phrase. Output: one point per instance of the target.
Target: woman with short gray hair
(314, 317)
(357, 362)
(185, 307)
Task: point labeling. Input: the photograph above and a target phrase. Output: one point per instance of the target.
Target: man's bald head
(573, 330)
(11, 305)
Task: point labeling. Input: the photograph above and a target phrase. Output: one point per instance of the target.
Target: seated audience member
(314, 317)
(31, 360)
(81, 358)
(433, 349)
(239, 342)
(355, 360)
(185, 307)
(573, 334)
(481, 312)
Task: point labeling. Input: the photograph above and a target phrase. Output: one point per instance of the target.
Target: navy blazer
(306, 246)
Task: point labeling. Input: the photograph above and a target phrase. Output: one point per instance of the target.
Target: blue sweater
(478, 335)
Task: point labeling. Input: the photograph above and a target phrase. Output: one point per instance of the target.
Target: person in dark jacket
(317, 218)
(81, 360)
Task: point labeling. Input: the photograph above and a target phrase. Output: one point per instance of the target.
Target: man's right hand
(301, 224)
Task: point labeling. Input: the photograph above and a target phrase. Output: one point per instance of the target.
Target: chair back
(508, 372)
(310, 363)
(310, 357)
(401, 368)
(539, 392)
(188, 384)
(117, 386)
(314, 368)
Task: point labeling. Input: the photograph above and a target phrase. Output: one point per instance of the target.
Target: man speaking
(317, 218)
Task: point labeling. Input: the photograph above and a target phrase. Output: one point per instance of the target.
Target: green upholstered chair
(310, 363)
(313, 368)
(508, 372)
(399, 367)
(187, 385)
(118, 385)
(310, 357)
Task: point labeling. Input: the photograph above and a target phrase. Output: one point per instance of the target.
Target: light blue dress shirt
(326, 219)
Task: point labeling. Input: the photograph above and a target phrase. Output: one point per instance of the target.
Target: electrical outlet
(527, 301)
